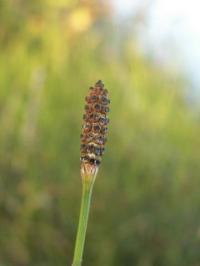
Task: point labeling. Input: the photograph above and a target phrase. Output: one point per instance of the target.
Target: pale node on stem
(88, 172)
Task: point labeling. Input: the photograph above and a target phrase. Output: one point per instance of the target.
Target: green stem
(83, 220)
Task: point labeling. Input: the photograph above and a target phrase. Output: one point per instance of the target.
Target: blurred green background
(146, 202)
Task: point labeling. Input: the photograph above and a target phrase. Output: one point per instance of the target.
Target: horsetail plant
(93, 139)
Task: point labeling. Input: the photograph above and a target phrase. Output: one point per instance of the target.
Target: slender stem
(83, 220)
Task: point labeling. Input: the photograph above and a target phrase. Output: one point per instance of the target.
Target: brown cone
(94, 128)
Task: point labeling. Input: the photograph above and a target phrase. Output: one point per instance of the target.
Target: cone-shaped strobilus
(93, 139)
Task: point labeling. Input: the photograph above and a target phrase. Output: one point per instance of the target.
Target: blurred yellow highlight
(80, 20)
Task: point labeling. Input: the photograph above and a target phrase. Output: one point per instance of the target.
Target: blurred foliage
(145, 209)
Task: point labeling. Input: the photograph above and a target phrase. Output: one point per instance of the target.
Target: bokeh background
(146, 203)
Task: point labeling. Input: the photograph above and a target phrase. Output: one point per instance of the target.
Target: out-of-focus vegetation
(145, 209)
